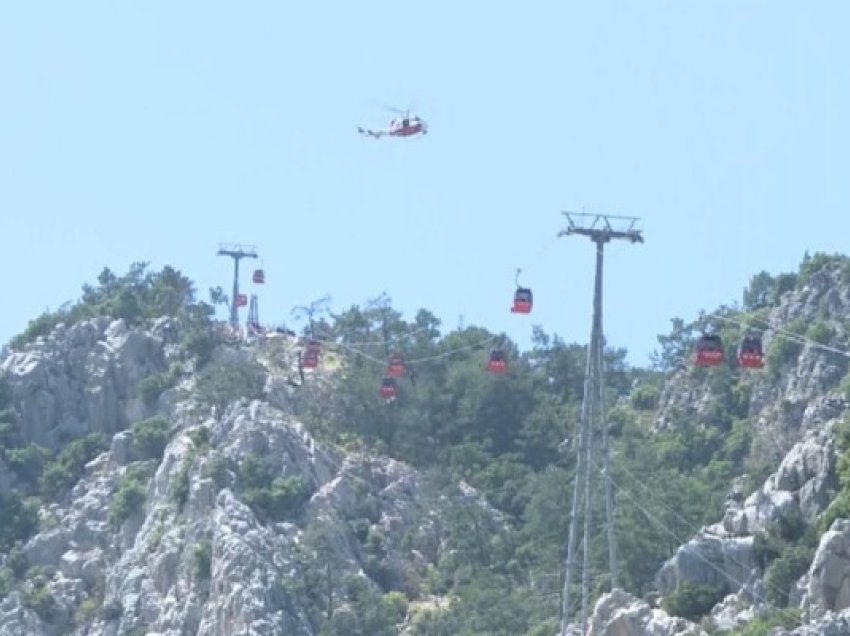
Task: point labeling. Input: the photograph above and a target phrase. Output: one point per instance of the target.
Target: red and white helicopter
(406, 125)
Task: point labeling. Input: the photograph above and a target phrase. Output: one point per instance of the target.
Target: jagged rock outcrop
(712, 558)
(81, 379)
(621, 614)
(802, 483)
(830, 624)
(735, 610)
(793, 409)
(828, 580)
(194, 557)
(721, 555)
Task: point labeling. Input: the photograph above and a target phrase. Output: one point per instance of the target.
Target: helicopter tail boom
(377, 134)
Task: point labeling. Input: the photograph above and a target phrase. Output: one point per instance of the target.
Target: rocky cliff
(198, 515)
(769, 549)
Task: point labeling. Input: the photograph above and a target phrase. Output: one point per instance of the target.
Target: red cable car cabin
(708, 351)
(310, 360)
(496, 362)
(388, 388)
(750, 355)
(241, 300)
(313, 346)
(395, 366)
(523, 301)
(259, 276)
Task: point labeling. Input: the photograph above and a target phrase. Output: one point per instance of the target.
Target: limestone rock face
(713, 558)
(195, 556)
(621, 614)
(828, 586)
(830, 624)
(801, 484)
(81, 379)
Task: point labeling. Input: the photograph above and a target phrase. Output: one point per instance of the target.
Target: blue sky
(152, 131)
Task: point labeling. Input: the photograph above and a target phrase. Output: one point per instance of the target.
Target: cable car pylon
(600, 229)
(237, 253)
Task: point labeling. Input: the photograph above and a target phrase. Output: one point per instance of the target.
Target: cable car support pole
(600, 229)
(236, 252)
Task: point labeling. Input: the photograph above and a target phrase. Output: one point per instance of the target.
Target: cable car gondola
(395, 366)
(496, 362)
(750, 354)
(259, 277)
(313, 346)
(523, 301)
(388, 388)
(310, 360)
(523, 298)
(241, 300)
(708, 351)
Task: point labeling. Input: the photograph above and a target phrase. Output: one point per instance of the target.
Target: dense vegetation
(137, 297)
(504, 436)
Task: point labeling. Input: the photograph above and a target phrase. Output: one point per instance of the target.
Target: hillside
(163, 474)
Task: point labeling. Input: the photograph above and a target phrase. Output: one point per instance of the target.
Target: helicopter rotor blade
(398, 111)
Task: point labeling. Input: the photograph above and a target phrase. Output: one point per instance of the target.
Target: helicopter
(406, 125)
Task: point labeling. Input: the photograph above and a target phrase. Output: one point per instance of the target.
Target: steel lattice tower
(600, 229)
(236, 252)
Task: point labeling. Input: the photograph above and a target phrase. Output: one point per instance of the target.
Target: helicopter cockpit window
(405, 123)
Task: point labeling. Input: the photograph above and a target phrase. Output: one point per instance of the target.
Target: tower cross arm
(603, 227)
(235, 250)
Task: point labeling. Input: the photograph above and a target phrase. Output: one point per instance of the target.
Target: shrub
(28, 462)
(781, 353)
(18, 519)
(180, 485)
(216, 469)
(226, 381)
(16, 561)
(112, 611)
(150, 437)
(272, 498)
(41, 601)
(784, 572)
(40, 326)
(8, 436)
(154, 537)
(765, 625)
(87, 610)
(692, 601)
(5, 396)
(200, 343)
(202, 560)
(820, 332)
(281, 500)
(63, 472)
(844, 386)
(130, 496)
(136, 296)
(200, 438)
(7, 582)
(741, 394)
(644, 398)
(154, 385)
(816, 262)
(737, 443)
(784, 283)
